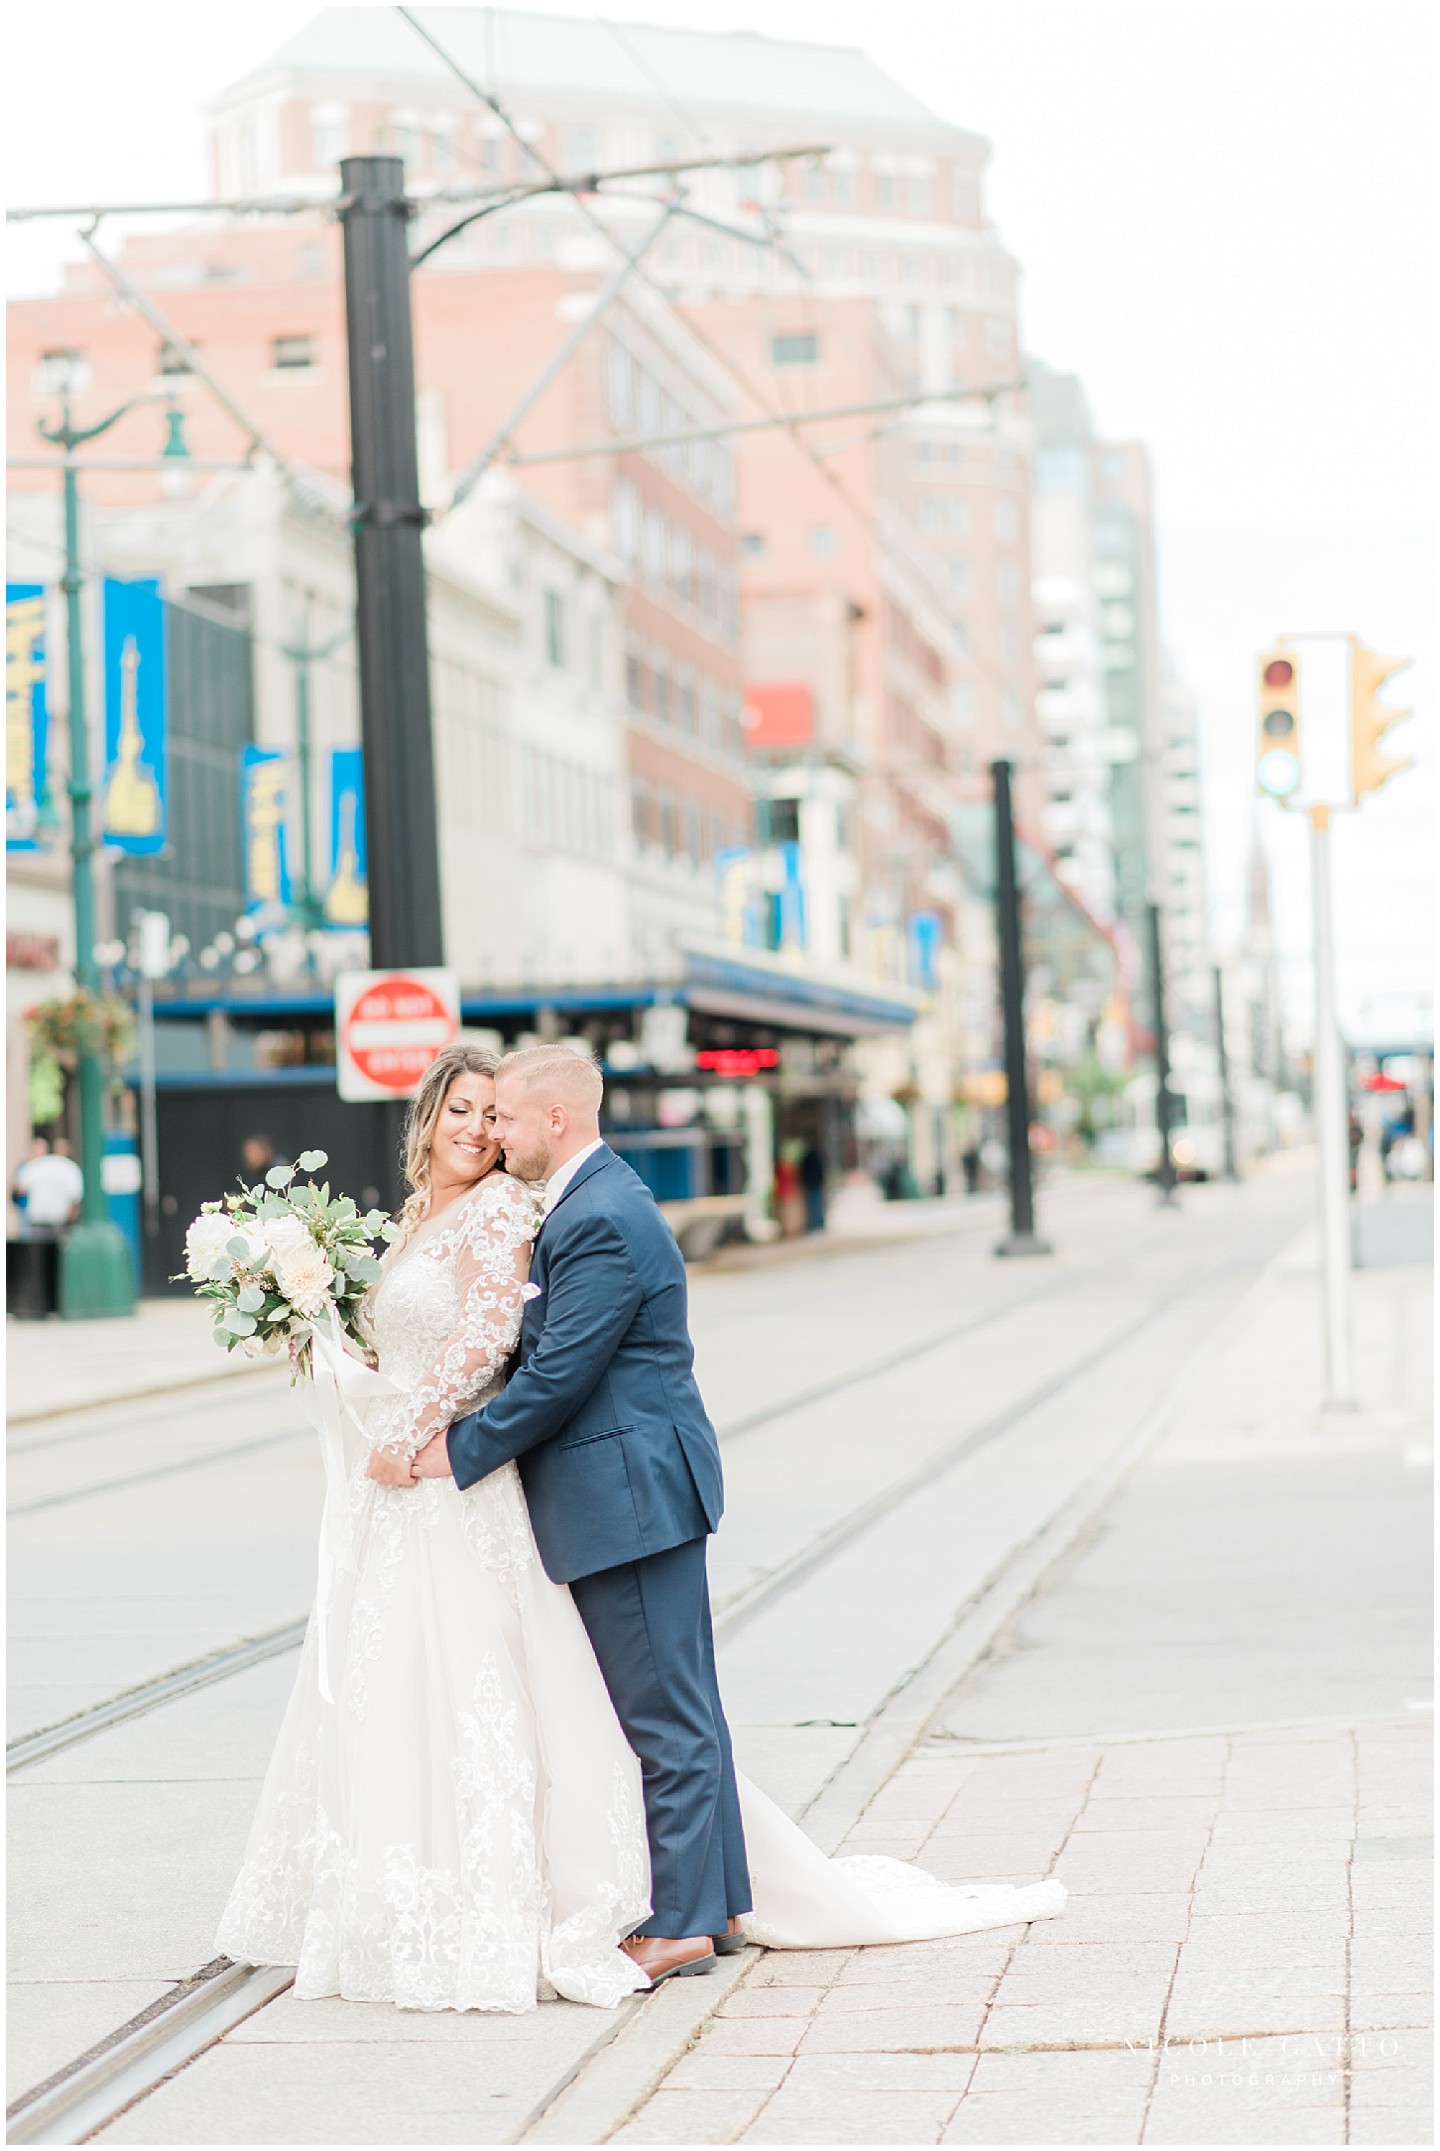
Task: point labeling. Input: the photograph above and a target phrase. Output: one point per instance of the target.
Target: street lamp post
(1022, 1238)
(96, 1274)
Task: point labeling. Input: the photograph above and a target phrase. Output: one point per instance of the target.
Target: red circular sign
(395, 1030)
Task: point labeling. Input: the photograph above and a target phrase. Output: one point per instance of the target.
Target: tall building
(886, 550)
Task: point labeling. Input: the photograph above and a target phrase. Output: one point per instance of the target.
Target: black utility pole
(404, 870)
(1021, 1239)
(1164, 1116)
(1222, 1063)
(400, 827)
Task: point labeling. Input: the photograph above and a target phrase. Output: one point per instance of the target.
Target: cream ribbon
(336, 1400)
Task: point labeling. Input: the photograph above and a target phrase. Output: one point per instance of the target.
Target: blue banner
(133, 788)
(27, 716)
(347, 895)
(926, 933)
(264, 811)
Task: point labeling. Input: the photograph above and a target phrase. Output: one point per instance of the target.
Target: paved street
(1208, 1719)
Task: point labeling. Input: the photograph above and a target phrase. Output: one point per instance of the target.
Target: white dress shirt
(562, 1176)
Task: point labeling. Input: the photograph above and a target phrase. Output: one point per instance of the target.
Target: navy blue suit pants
(649, 1624)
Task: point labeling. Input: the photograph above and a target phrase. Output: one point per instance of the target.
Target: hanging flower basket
(82, 1022)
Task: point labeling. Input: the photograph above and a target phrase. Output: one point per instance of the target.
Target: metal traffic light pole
(1022, 1238)
(391, 640)
(1332, 1130)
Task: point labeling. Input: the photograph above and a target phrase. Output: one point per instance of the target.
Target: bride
(452, 1818)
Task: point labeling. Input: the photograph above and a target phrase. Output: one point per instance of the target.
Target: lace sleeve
(490, 1248)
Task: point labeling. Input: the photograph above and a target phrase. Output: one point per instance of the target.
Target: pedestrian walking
(48, 1189)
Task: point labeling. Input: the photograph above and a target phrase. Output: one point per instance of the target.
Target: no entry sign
(389, 1026)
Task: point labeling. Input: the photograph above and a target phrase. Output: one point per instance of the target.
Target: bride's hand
(390, 1467)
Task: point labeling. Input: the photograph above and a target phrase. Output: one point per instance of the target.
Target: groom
(621, 1470)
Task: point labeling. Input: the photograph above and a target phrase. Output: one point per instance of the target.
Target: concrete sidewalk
(1212, 1723)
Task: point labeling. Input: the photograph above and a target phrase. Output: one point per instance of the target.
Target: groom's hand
(433, 1461)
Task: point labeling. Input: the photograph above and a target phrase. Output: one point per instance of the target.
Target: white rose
(303, 1275)
(206, 1242)
(282, 1233)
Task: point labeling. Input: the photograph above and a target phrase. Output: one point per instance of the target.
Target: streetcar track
(157, 1471)
(149, 1695)
(118, 2073)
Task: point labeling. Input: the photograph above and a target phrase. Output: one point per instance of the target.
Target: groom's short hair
(567, 1077)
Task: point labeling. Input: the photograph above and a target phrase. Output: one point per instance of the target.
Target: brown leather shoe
(660, 1958)
(731, 1942)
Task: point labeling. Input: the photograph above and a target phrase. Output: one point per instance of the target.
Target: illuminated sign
(737, 1060)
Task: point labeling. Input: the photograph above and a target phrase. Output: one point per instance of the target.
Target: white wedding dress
(452, 1818)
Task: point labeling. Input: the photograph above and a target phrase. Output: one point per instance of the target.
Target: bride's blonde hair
(457, 1060)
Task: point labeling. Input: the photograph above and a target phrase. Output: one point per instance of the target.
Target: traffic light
(1370, 719)
(1277, 767)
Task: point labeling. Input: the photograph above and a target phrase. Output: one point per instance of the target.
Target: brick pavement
(1244, 1959)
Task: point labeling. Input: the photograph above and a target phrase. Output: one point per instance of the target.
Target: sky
(1224, 217)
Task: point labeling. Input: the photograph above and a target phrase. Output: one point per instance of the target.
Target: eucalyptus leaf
(251, 1300)
(375, 1221)
(220, 1337)
(220, 1272)
(367, 1269)
(280, 1176)
(309, 1160)
(240, 1325)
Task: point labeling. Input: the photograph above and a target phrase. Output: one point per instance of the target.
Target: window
(554, 628)
(685, 698)
(997, 334)
(920, 193)
(667, 149)
(313, 259)
(625, 520)
(640, 814)
(647, 400)
(799, 350)
(709, 592)
(783, 819)
(619, 384)
(813, 181)
(173, 361)
(694, 836)
(723, 478)
(752, 544)
(332, 134)
(959, 578)
(634, 676)
(710, 713)
(291, 354)
(885, 189)
(656, 547)
(824, 541)
(962, 637)
(844, 184)
(581, 151)
(682, 561)
(61, 369)
(1007, 520)
(963, 694)
(669, 824)
(1007, 579)
(729, 598)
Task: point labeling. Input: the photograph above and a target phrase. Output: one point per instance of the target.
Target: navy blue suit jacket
(602, 1413)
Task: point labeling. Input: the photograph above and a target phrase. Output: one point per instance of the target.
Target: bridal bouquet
(277, 1258)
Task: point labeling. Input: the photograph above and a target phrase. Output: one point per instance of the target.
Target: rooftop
(636, 64)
